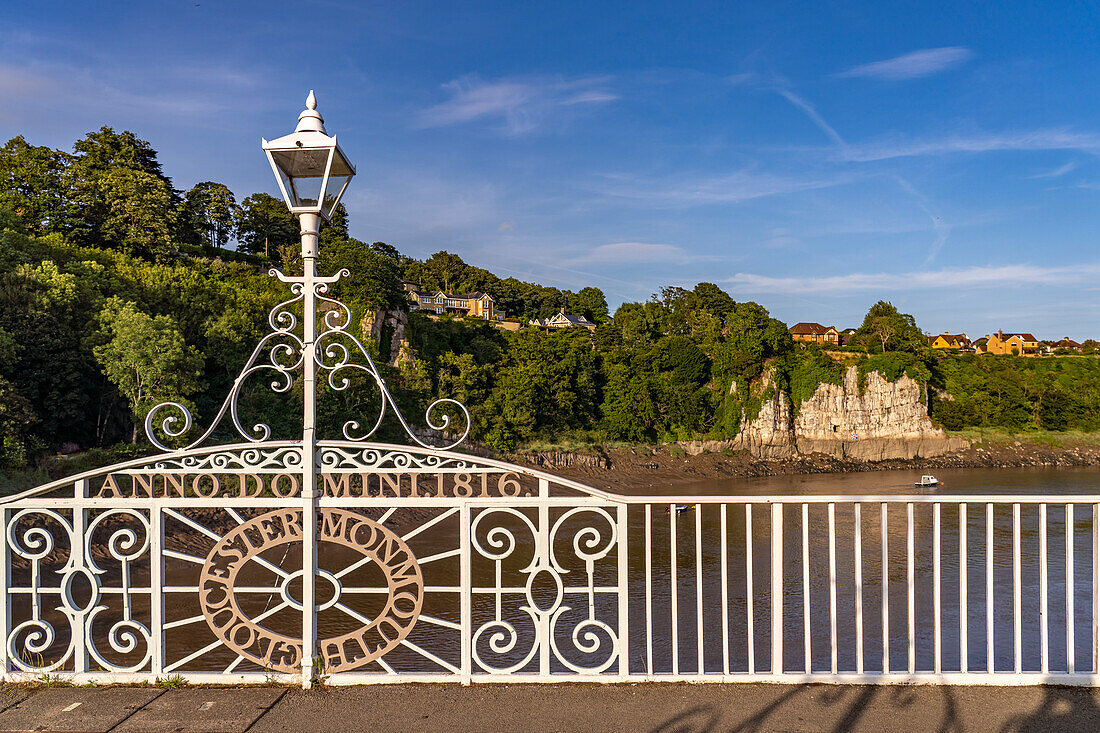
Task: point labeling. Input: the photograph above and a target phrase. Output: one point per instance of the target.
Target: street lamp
(312, 172)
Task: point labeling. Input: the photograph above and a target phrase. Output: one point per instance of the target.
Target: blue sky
(812, 156)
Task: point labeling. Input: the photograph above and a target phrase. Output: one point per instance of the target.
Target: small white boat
(928, 481)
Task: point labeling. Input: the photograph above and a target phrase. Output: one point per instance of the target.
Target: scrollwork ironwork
(337, 353)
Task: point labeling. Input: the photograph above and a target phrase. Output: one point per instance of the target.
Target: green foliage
(892, 365)
(885, 329)
(265, 226)
(210, 212)
(1017, 393)
(809, 369)
(145, 357)
(32, 186)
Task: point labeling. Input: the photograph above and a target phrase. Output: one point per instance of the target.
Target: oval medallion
(283, 653)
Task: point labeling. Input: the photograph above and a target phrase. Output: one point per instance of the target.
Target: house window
(439, 301)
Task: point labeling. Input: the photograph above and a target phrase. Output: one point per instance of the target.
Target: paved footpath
(679, 708)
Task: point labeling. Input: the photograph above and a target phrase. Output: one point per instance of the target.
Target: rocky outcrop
(883, 421)
(397, 322)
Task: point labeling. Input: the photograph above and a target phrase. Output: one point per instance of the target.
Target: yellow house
(1024, 344)
(951, 341)
(473, 305)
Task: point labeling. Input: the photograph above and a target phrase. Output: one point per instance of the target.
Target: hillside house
(473, 305)
(950, 341)
(1024, 344)
(815, 333)
(564, 320)
(1068, 344)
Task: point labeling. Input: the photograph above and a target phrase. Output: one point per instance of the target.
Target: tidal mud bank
(642, 468)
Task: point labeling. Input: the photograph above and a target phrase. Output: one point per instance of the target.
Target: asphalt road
(683, 708)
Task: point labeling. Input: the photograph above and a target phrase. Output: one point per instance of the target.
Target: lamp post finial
(310, 120)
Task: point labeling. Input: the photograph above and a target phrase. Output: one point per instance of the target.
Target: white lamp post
(313, 174)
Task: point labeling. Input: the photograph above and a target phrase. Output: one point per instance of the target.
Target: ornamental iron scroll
(282, 353)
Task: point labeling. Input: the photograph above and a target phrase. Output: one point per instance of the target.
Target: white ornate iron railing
(439, 566)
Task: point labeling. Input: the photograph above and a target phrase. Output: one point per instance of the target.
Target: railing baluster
(672, 575)
(699, 586)
(465, 595)
(989, 660)
(1096, 588)
(748, 588)
(885, 592)
(962, 588)
(777, 589)
(725, 596)
(1070, 661)
(649, 589)
(911, 583)
(936, 652)
(5, 580)
(1044, 633)
(832, 587)
(806, 586)
(858, 552)
(623, 563)
(1017, 621)
(156, 583)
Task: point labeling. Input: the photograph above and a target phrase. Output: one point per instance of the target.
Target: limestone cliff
(883, 421)
(397, 324)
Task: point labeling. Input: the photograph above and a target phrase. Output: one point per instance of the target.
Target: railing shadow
(817, 706)
(1062, 709)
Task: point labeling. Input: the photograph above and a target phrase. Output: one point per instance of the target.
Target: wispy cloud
(779, 238)
(912, 65)
(1047, 139)
(630, 252)
(680, 191)
(1057, 172)
(942, 229)
(520, 104)
(972, 277)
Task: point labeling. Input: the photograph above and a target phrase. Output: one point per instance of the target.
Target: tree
(145, 357)
(591, 303)
(387, 250)
(445, 269)
(712, 299)
(107, 150)
(210, 211)
(138, 212)
(265, 225)
(374, 280)
(32, 184)
(121, 197)
(890, 330)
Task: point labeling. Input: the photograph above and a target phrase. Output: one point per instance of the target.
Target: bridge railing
(978, 589)
(436, 566)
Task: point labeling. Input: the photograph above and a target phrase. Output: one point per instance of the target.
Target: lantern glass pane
(305, 192)
(303, 162)
(336, 186)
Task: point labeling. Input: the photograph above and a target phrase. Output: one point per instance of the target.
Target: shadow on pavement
(1062, 709)
(838, 709)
